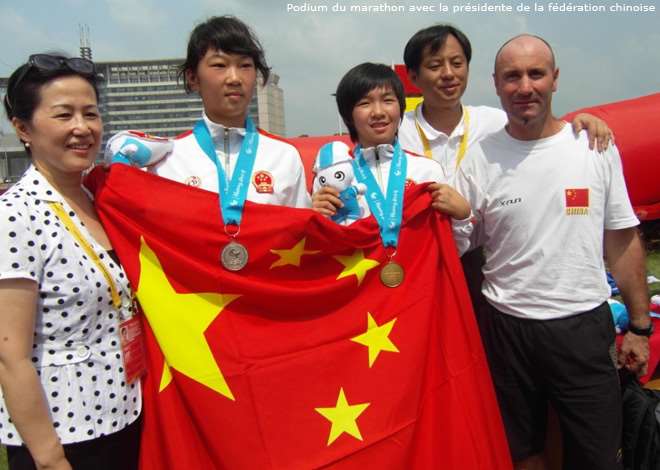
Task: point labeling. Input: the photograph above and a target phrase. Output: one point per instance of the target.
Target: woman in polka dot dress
(65, 400)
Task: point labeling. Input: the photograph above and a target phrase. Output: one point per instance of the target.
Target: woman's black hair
(24, 88)
(359, 81)
(433, 37)
(227, 34)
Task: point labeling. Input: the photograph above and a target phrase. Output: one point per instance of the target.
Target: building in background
(145, 95)
(270, 106)
(13, 160)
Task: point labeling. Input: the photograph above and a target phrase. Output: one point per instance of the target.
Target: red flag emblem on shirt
(577, 197)
(303, 359)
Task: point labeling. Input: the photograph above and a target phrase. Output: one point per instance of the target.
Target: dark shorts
(119, 450)
(568, 362)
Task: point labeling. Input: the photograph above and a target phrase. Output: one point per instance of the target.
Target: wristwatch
(648, 331)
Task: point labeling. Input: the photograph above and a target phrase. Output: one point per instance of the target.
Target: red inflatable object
(636, 126)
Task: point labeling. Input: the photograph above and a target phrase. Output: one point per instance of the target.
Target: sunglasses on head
(54, 63)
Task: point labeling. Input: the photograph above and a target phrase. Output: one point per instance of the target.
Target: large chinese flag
(303, 359)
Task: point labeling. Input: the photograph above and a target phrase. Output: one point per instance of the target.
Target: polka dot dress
(76, 348)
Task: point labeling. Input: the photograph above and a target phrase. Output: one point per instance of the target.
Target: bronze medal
(234, 256)
(392, 274)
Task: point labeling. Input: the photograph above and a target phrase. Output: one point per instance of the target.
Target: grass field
(652, 264)
(653, 267)
(651, 232)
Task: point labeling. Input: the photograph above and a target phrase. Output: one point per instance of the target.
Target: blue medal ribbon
(231, 194)
(388, 211)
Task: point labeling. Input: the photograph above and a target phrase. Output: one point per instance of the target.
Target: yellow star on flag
(343, 417)
(292, 256)
(179, 322)
(165, 377)
(356, 265)
(376, 338)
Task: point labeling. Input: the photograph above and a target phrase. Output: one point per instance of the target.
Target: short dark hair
(24, 88)
(433, 37)
(359, 81)
(224, 33)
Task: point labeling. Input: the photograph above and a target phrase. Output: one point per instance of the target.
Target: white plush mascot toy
(334, 168)
(136, 149)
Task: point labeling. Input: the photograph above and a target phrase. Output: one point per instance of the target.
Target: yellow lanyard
(68, 223)
(462, 148)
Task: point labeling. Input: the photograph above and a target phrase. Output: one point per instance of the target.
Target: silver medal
(234, 256)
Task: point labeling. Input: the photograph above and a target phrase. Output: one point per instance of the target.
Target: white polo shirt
(543, 206)
(277, 178)
(483, 121)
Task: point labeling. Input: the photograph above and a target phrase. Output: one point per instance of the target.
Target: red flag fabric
(635, 124)
(303, 359)
(409, 88)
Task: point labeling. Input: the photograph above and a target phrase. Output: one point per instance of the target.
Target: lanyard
(87, 248)
(464, 140)
(231, 194)
(387, 210)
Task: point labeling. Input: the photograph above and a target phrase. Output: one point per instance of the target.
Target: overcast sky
(603, 57)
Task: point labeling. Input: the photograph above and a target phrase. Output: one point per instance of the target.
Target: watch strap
(648, 331)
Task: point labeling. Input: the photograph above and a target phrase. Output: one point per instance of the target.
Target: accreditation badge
(131, 340)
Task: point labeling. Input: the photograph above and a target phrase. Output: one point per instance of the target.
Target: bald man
(438, 59)
(548, 208)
